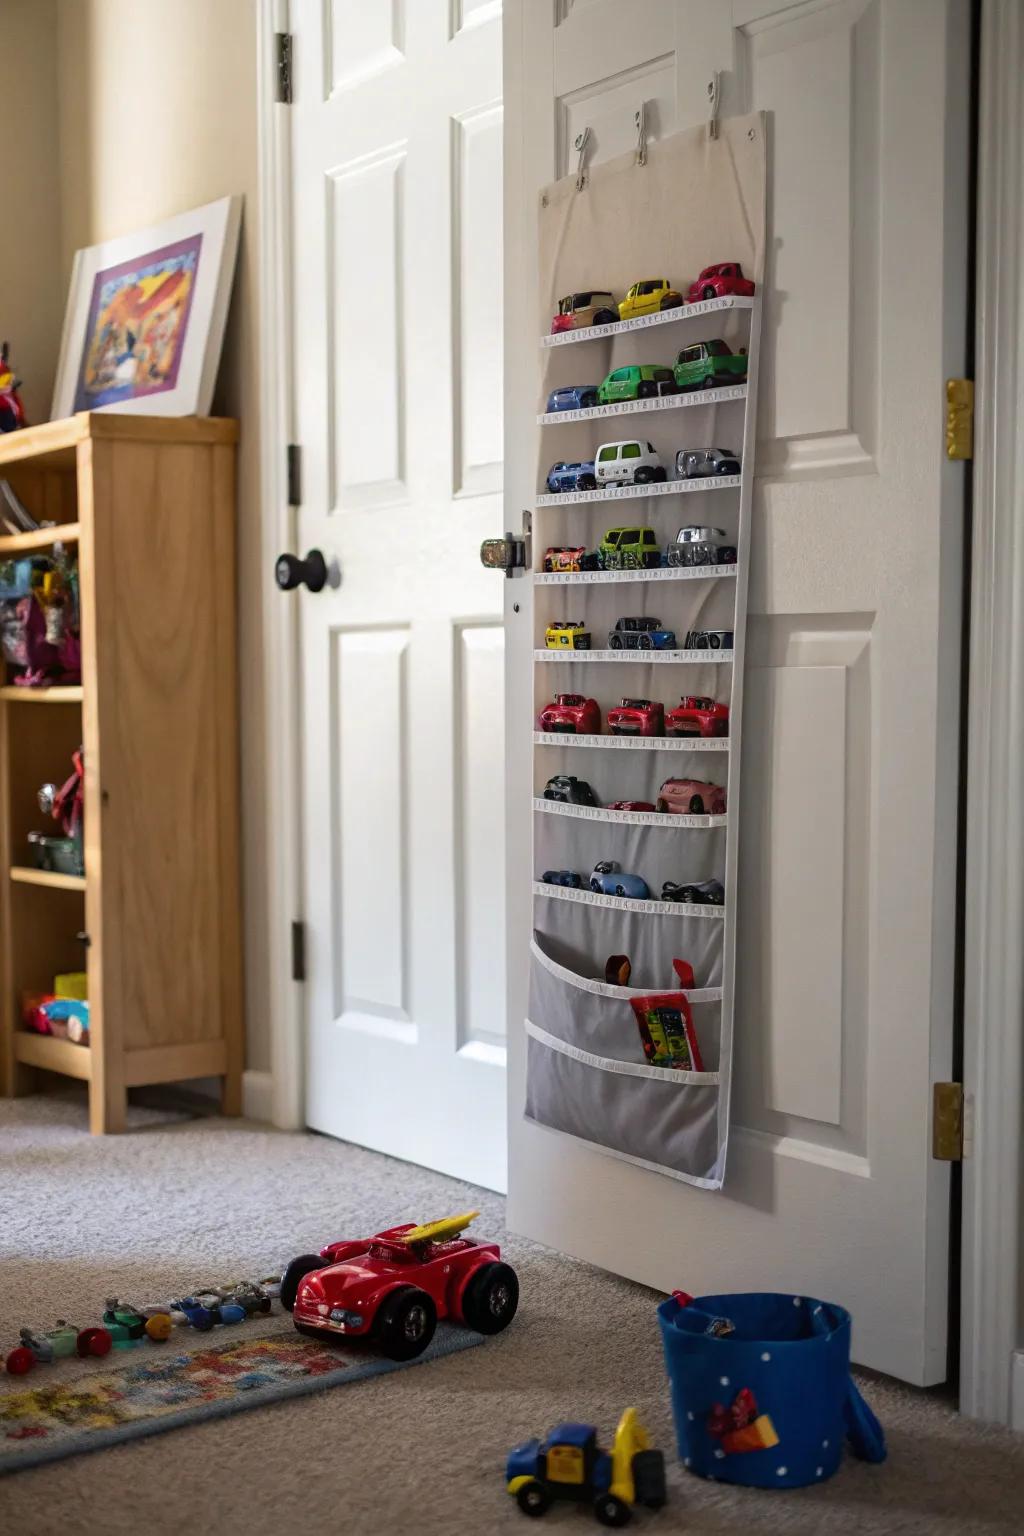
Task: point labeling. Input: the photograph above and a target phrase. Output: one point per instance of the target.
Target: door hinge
(510, 554)
(298, 951)
(283, 42)
(959, 418)
(294, 475)
(948, 1122)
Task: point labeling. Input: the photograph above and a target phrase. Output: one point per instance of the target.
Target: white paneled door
(846, 929)
(397, 216)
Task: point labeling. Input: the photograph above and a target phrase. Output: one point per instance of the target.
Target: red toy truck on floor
(393, 1288)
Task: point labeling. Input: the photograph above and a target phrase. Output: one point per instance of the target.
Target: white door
(397, 207)
(846, 926)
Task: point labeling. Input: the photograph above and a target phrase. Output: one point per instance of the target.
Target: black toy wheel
(620, 890)
(645, 389)
(297, 1270)
(649, 1479)
(696, 805)
(670, 303)
(588, 400)
(645, 643)
(615, 642)
(611, 1510)
(587, 483)
(644, 476)
(660, 474)
(709, 292)
(405, 1323)
(605, 317)
(715, 641)
(492, 1295)
(533, 1499)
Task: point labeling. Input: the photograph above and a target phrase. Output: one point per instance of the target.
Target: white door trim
(281, 819)
(994, 955)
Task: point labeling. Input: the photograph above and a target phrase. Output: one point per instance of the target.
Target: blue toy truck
(569, 1464)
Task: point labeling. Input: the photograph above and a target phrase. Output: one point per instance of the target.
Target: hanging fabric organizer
(595, 1046)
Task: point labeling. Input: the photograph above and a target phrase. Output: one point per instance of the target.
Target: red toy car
(637, 717)
(630, 805)
(12, 412)
(571, 713)
(696, 716)
(565, 557)
(691, 797)
(716, 282)
(393, 1287)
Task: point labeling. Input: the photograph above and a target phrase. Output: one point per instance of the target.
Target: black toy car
(706, 893)
(567, 877)
(570, 790)
(638, 633)
(708, 640)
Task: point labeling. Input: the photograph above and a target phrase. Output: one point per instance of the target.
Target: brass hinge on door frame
(948, 1122)
(283, 65)
(959, 418)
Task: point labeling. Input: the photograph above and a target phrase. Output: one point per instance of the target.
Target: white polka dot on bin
(690, 1417)
(796, 1301)
(724, 1380)
(766, 1356)
(686, 1461)
(819, 1471)
(824, 1445)
(719, 1455)
(781, 1471)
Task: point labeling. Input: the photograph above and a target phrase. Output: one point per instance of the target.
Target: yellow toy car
(567, 635)
(648, 297)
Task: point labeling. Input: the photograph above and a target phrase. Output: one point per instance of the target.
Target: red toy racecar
(696, 716)
(716, 282)
(572, 714)
(392, 1288)
(637, 717)
(631, 805)
(691, 797)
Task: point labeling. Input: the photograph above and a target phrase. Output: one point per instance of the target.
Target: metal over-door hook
(714, 92)
(582, 140)
(640, 120)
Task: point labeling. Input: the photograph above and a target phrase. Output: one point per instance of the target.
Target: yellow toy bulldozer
(569, 1464)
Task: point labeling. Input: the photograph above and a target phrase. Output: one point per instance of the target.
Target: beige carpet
(172, 1205)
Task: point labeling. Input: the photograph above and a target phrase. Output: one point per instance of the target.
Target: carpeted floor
(176, 1203)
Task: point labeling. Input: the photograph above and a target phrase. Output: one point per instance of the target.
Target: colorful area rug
(58, 1416)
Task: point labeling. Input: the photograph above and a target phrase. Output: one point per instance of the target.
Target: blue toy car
(563, 877)
(571, 477)
(609, 880)
(573, 397)
(204, 1311)
(641, 634)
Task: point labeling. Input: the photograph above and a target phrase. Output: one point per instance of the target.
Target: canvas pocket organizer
(626, 826)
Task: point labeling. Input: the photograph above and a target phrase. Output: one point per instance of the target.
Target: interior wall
(156, 113)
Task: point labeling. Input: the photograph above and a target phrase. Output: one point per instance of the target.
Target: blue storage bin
(761, 1388)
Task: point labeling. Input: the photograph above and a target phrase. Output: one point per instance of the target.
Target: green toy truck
(708, 363)
(638, 382)
(629, 549)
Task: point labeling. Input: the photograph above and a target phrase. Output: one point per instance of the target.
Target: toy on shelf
(569, 790)
(579, 310)
(567, 877)
(572, 714)
(629, 549)
(702, 463)
(63, 855)
(63, 1341)
(637, 717)
(691, 797)
(629, 462)
(631, 805)
(708, 640)
(617, 970)
(648, 297)
(636, 381)
(637, 633)
(577, 476)
(39, 619)
(570, 557)
(609, 880)
(705, 364)
(696, 715)
(12, 412)
(703, 893)
(65, 1018)
(665, 1023)
(394, 1287)
(719, 281)
(569, 1464)
(699, 545)
(567, 635)
(572, 397)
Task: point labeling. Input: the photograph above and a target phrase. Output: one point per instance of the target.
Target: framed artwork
(145, 318)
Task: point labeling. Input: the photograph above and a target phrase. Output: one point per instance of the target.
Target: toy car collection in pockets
(567, 635)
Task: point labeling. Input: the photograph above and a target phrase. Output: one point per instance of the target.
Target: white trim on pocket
(625, 1068)
(608, 989)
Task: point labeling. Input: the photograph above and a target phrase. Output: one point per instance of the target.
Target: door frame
(991, 1361)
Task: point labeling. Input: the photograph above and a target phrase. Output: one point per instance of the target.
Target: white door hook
(713, 96)
(582, 140)
(640, 119)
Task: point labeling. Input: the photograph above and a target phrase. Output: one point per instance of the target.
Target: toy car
(573, 397)
(641, 634)
(630, 805)
(253, 1298)
(697, 463)
(695, 715)
(704, 364)
(629, 549)
(708, 640)
(583, 309)
(567, 635)
(127, 1325)
(569, 790)
(610, 880)
(706, 893)
(648, 297)
(640, 381)
(637, 717)
(628, 463)
(696, 545)
(570, 557)
(571, 477)
(12, 412)
(205, 1310)
(691, 797)
(63, 1341)
(392, 1288)
(568, 1464)
(571, 713)
(567, 877)
(717, 282)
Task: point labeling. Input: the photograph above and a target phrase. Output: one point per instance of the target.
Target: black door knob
(290, 572)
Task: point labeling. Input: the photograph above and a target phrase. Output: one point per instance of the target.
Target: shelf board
(55, 695)
(628, 492)
(39, 538)
(647, 322)
(708, 656)
(24, 874)
(624, 904)
(662, 819)
(658, 573)
(632, 743)
(650, 403)
(53, 1055)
